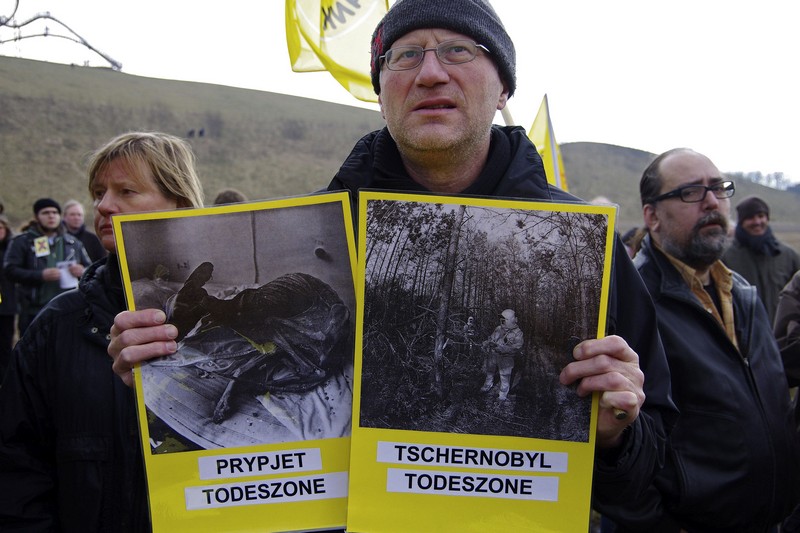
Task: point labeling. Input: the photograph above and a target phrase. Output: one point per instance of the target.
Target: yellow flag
(334, 35)
(542, 135)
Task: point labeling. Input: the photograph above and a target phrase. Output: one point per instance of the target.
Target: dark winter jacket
(787, 333)
(23, 267)
(769, 272)
(8, 289)
(514, 170)
(732, 461)
(787, 329)
(70, 458)
(90, 241)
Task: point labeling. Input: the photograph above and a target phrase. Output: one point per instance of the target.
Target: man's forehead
(687, 168)
(427, 35)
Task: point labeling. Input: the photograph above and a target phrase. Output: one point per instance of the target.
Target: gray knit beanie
(474, 18)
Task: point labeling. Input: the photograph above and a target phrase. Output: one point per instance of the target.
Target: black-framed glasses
(452, 52)
(697, 193)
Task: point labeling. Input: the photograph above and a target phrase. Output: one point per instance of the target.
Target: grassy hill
(595, 169)
(264, 144)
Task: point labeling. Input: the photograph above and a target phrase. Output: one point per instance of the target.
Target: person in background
(73, 222)
(28, 225)
(70, 456)
(787, 329)
(441, 71)
(631, 239)
(787, 333)
(733, 456)
(229, 196)
(8, 301)
(757, 255)
(44, 261)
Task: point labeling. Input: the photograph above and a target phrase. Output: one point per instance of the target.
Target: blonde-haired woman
(69, 444)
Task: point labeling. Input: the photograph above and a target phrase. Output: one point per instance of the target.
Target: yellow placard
(247, 426)
(455, 426)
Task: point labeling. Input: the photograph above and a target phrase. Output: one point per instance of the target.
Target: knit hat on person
(474, 18)
(43, 203)
(750, 207)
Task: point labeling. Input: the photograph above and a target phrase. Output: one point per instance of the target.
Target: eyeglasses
(449, 52)
(697, 193)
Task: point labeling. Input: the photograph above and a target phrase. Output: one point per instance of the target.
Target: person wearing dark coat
(787, 328)
(70, 455)
(8, 301)
(733, 461)
(73, 222)
(441, 71)
(787, 332)
(44, 261)
(758, 255)
(514, 170)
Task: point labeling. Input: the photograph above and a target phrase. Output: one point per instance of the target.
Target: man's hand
(608, 366)
(76, 269)
(51, 274)
(137, 336)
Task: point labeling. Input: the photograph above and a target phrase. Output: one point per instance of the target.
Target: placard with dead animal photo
(262, 296)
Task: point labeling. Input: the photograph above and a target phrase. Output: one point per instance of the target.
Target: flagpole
(506, 112)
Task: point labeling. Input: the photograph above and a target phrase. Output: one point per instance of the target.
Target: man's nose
(431, 70)
(710, 201)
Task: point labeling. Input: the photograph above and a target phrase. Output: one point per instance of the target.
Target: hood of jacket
(513, 169)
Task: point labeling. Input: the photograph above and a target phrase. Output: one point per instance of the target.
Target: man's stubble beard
(701, 251)
(445, 149)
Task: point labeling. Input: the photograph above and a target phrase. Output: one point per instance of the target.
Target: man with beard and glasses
(757, 255)
(732, 457)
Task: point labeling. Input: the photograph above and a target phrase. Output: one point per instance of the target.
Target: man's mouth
(712, 219)
(432, 104)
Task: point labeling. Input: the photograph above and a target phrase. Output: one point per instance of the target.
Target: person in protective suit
(499, 350)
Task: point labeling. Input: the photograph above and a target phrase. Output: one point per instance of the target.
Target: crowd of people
(696, 429)
(69, 440)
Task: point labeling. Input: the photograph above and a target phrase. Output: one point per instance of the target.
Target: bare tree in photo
(448, 275)
(429, 267)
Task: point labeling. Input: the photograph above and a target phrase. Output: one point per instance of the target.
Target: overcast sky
(718, 76)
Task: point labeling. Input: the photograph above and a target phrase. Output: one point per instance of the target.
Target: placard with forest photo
(468, 309)
(247, 425)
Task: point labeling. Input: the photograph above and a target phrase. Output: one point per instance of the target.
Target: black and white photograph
(263, 300)
(471, 312)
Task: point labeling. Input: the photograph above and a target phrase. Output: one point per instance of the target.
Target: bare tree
(72, 35)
